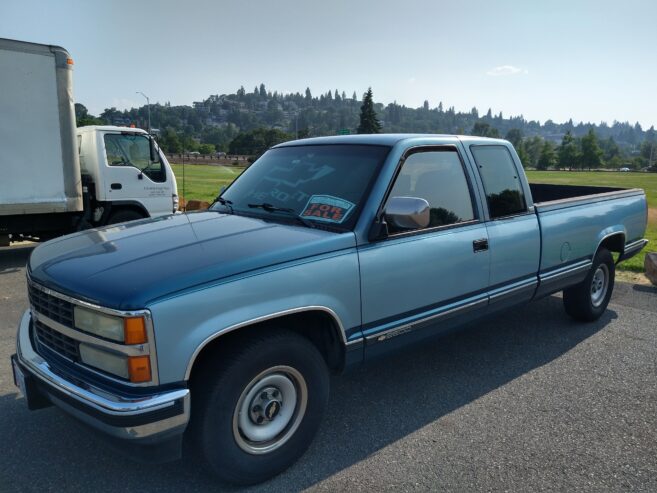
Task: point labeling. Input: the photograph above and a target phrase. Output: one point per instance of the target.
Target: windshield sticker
(327, 208)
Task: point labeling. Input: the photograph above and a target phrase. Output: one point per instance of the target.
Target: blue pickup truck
(223, 326)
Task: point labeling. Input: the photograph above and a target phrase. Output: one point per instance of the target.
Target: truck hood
(129, 265)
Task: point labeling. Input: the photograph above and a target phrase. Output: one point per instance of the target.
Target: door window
(439, 178)
(133, 150)
(501, 180)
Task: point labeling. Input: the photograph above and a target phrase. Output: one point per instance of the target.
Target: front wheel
(588, 300)
(257, 407)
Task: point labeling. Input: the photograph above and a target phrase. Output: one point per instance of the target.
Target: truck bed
(549, 196)
(575, 219)
(547, 192)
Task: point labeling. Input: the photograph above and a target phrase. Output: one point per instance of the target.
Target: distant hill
(219, 118)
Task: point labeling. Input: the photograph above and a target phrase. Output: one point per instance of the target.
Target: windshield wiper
(226, 203)
(272, 208)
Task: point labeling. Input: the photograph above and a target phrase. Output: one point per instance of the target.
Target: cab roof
(382, 139)
(110, 128)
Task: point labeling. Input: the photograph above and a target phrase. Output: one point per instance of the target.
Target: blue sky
(586, 60)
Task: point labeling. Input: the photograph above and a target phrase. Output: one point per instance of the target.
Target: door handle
(480, 245)
(116, 186)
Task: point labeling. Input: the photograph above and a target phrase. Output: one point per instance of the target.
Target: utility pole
(148, 106)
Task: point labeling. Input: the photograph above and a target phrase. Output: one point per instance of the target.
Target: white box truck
(56, 179)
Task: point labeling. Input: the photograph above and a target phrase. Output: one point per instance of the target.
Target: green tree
(548, 157)
(649, 146)
(533, 146)
(522, 154)
(80, 111)
(568, 152)
(482, 129)
(610, 151)
(591, 156)
(256, 142)
(206, 149)
(514, 136)
(170, 141)
(84, 118)
(369, 123)
(189, 143)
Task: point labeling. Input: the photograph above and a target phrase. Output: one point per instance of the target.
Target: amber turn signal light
(135, 330)
(139, 369)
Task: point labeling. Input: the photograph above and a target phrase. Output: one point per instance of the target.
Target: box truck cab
(129, 176)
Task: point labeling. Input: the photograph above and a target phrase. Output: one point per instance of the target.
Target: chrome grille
(56, 341)
(50, 306)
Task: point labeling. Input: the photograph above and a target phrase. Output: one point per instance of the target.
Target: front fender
(185, 323)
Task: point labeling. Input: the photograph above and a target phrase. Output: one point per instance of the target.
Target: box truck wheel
(124, 215)
(256, 408)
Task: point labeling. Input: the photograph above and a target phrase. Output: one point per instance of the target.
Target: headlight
(106, 361)
(99, 324)
(131, 330)
(137, 369)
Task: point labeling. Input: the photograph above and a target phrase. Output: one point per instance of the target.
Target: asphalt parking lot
(527, 401)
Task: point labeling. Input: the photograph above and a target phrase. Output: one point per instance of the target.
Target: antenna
(183, 166)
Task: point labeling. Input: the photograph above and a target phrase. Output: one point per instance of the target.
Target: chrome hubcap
(270, 410)
(599, 285)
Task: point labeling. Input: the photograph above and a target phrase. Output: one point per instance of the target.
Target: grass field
(202, 182)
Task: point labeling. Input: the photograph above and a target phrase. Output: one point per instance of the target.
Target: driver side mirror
(407, 213)
(154, 155)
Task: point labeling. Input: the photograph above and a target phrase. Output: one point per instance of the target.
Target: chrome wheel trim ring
(268, 436)
(599, 285)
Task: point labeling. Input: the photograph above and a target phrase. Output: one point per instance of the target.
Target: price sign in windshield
(327, 208)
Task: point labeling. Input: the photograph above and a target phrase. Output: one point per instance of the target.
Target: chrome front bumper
(147, 419)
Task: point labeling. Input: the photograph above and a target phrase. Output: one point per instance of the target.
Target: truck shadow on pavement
(369, 409)
(14, 259)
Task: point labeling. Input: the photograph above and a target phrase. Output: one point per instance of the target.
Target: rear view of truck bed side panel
(572, 231)
(40, 172)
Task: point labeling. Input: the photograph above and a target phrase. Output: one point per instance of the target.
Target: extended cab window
(437, 177)
(501, 180)
(133, 150)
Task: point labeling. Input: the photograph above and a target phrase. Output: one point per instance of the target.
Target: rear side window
(501, 180)
(437, 177)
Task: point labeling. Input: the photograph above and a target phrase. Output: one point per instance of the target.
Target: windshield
(322, 183)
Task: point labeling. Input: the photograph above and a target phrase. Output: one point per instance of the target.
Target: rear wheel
(256, 408)
(589, 299)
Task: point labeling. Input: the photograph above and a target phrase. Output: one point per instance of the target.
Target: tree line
(245, 121)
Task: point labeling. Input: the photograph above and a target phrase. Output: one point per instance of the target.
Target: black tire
(124, 216)
(219, 387)
(584, 302)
